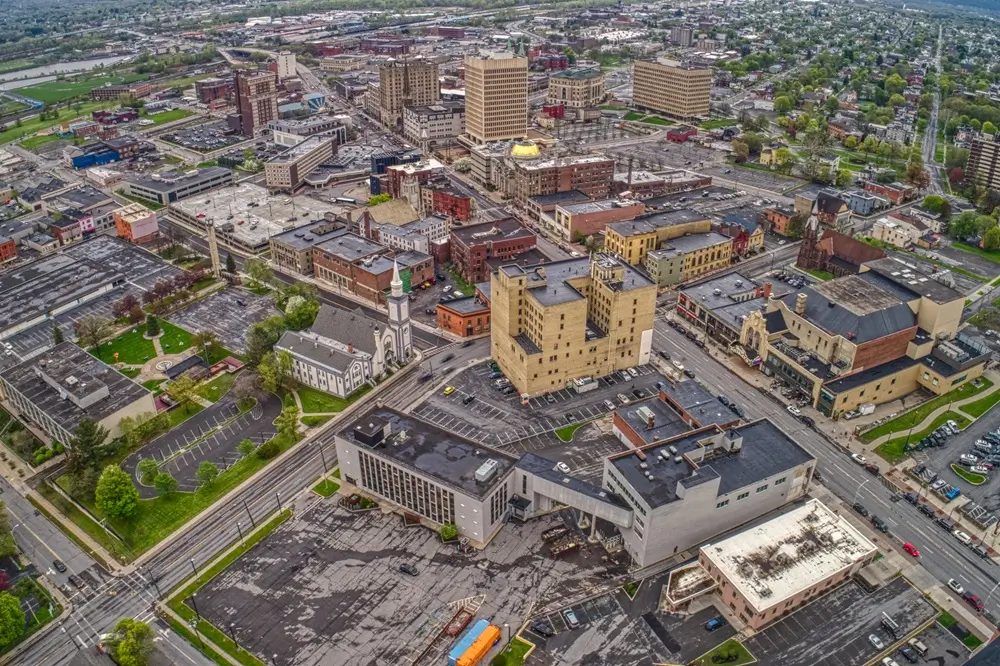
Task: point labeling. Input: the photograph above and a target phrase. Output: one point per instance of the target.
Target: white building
(434, 123)
(415, 236)
(896, 232)
(344, 350)
(286, 65)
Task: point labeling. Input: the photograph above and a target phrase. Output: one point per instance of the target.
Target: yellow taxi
(448, 390)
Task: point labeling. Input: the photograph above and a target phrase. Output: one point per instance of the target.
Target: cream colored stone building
(556, 322)
(577, 88)
(405, 83)
(672, 88)
(496, 98)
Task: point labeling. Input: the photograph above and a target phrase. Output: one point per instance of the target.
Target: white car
(633, 372)
(562, 467)
(858, 458)
(622, 398)
(979, 469)
(955, 586)
(889, 661)
(876, 641)
(968, 458)
(962, 536)
(794, 411)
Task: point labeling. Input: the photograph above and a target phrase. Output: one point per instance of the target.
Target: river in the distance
(29, 77)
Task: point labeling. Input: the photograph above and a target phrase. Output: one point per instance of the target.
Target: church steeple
(397, 283)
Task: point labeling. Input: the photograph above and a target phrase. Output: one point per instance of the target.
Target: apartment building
(577, 88)
(984, 161)
(428, 472)
(136, 224)
(439, 196)
(496, 97)
(168, 187)
(703, 253)
(590, 174)
(672, 88)
(682, 35)
(406, 82)
(288, 171)
(631, 240)
(464, 317)
(574, 221)
(474, 246)
(256, 101)
(61, 387)
(209, 90)
(404, 180)
(111, 92)
(419, 235)
(556, 322)
(770, 570)
(428, 125)
(872, 337)
(292, 250)
(343, 62)
(718, 306)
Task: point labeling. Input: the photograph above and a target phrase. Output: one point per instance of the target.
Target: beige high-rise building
(407, 82)
(496, 97)
(672, 88)
(577, 88)
(557, 322)
(984, 161)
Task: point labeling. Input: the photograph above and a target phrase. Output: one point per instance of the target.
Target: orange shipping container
(481, 647)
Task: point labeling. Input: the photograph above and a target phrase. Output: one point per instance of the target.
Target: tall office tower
(672, 88)
(256, 100)
(402, 83)
(496, 97)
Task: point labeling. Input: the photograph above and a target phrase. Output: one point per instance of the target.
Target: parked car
(911, 549)
(430, 311)
(408, 568)
(639, 393)
(725, 401)
(715, 623)
(562, 467)
(962, 536)
(689, 373)
(968, 458)
(981, 550)
(448, 390)
(571, 619)
(889, 661)
(549, 398)
(633, 372)
(860, 508)
(880, 524)
(876, 642)
(858, 458)
(912, 498)
(794, 411)
(542, 629)
(927, 510)
(622, 398)
(955, 586)
(852, 415)
(664, 355)
(909, 654)
(468, 399)
(872, 468)
(974, 601)
(610, 405)
(945, 523)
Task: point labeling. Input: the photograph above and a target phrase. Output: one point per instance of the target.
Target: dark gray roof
(437, 453)
(310, 234)
(854, 308)
(571, 196)
(775, 322)
(731, 286)
(488, 232)
(546, 469)
(859, 379)
(176, 180)
(907, 276)
(650, 223)
(666, 422)
(694, 242)
(321, 354)
(350, 327)
(990, 656)
(350, 247)
(467, 305)
(79, 375)
(698, 402)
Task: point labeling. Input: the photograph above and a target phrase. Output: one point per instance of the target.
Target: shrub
(448, 531)
(268, 450)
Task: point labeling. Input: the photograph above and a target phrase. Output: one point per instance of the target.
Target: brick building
(439, 197)
(833, 252)
(8, 249)
(363, 267)
(473, 245)
(136, 224)
(897, 193)
(465, 317)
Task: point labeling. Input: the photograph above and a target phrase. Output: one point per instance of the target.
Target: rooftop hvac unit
(678, 459)
(739, 283)
(487, 470)
(672, 449)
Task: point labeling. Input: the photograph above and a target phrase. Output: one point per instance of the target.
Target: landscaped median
(971, 477)
(895, 449)
(916, 416)
(731, 653)
(209, 639)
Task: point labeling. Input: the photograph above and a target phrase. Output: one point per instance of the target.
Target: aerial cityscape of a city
(570, 333)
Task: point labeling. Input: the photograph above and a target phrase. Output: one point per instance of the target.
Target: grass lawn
(892, 451)
(461, 284)
(656, 120)
(631, 588)
(313, 421)
(84, 522)
(819, 275)
(513, 654)
(29, 127)
(729, 647)
(916, 415)
(204, 284)
(205, 165)
(216, 388)
(981, 406)
(131, 347)
(947, 621)
(154, 385)
(130, 372)
(169, 116)
(971, 477)
(174, 339)
(151, 205)
(326, 487)
(33, 142)
(566, 432)
(314, 401)
(632, 115)
(178, 415)
(717, 123)
(972, 249)
(52, 92)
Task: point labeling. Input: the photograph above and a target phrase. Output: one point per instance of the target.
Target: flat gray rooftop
(437, 453)
(664, 424)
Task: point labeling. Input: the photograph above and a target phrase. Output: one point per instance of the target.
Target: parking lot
(833, 630)
(763, 180)
(943, 649)
(584, 455)
(222, 314)
(326, 588)
(657, 155)
(940, 459)
(499, 420)
(213, 434)
(203, 138)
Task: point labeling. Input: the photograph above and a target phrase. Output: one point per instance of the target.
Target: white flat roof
(774, 561)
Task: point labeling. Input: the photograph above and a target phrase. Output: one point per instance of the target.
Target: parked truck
(466, 641)
(554, 533)
(481, 646)
(584, 384)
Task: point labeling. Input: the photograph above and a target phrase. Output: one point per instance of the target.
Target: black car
(880, 524)
(912, 498)
(426, 376)
(441, 276)
(808, 421)
(909, 653)
(725, 401)
(926, 509)
(664, 355)
(945, 524)
(408, 568)
(447, 358)
(681, 329)
(817, 475)
(467, 399)
(542, 629)
(430, 311)
(872, 468)
(60, 567)
(860, 508)
(639, 393)
(468, 343)
(689, 374)
(737, 410)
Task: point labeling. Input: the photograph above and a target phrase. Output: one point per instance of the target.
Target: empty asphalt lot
(325, 588)
(222, 314)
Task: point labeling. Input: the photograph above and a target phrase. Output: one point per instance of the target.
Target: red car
(911, 549)
(974, 601)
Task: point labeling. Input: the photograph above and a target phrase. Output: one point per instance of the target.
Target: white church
(344, 350)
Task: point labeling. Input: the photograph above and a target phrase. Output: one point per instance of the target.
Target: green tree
(844, 178)
(87, 447)
(148, 470)
(448, 531)
(205, 340)
(895, 84)
(934, 203)
(301, 315)
(131, 643)
(116, 495)
(259, 272)
(287, 422)
(991, 239)
(7, 545)
(376, 199)
(182, 390)
(740, 150)
(11, 619)
(869, 145)
(207, 473)
(276, 371)
(57, 334)
(989, 128)
(832, 105)
(782, 104)
(246, 448)
(897, 100)
(152, 326)
(230, 263)
(92, 330)
(262, 336)
(851, 142)
(165, 483)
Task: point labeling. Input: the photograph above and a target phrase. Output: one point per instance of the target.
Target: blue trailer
(466, 641)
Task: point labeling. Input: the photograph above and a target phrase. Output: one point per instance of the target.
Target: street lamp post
(193, 567)
(194, 605)
(245, 506)
(194, 625)
(72, 638)
(232, 633)
(858, 491)
(322, 455)
(277, 496)
(239, 528)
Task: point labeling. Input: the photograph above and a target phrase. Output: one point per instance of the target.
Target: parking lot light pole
(239, 528)
(194, 625)
(245, 506)
(277, 496)
(322, 455)
(232, 633)
(193, 567)
(194, 605)
(858, 491)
